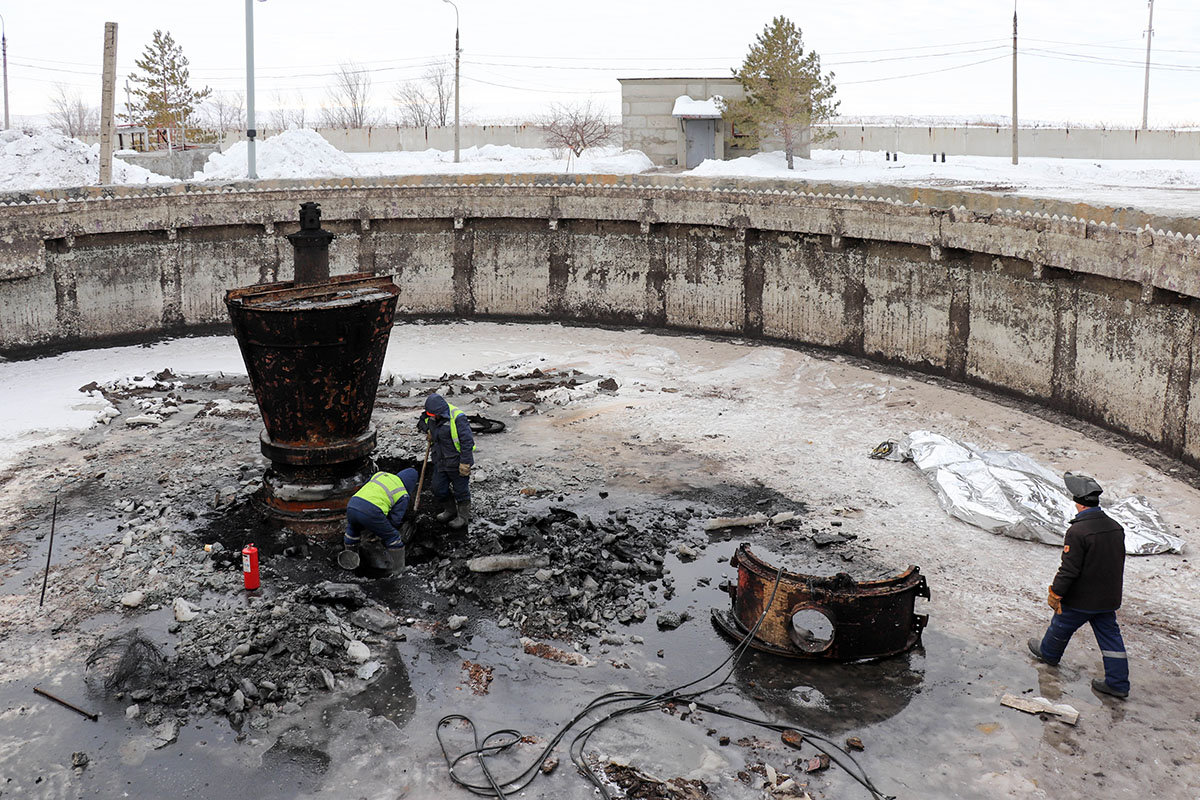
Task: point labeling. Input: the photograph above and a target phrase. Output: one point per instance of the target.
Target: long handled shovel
(421, 482)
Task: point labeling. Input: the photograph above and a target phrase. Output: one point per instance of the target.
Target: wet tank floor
(930, 719)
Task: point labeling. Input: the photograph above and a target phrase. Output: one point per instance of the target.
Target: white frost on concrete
(704, 109)
(1168, 185)
(49, 160)
(305, 154)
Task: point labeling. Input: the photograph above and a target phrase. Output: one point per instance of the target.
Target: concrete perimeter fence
(1031, 142)
(967, 140)
(1092, 311)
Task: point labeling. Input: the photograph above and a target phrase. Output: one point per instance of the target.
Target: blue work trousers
(1108, 636)
(443, 482)
(362, 515)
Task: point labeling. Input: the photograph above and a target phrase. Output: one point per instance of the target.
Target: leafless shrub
(576, 127)
(224, 112)
(349, 99)
(289, 114)
(70, 116)
(428, 100)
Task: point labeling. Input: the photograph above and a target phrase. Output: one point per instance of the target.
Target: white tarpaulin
(1007, 492)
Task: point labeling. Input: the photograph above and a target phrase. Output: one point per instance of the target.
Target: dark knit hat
(1083, 488)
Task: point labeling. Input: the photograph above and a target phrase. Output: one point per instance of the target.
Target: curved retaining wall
(1085, 310)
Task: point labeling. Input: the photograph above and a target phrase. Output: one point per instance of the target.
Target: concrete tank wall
(1094, 315)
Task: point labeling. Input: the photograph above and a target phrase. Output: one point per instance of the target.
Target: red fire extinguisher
(250, 566)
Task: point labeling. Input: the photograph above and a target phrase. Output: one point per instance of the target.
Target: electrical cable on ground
(502, 740)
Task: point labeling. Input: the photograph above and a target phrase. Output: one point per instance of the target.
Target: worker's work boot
(450, 512)
(464, 515)
(1101, 685)
(397, 554)
(1035, 647)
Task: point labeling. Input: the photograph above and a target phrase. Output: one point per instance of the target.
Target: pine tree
(786, 94)
(162, 96)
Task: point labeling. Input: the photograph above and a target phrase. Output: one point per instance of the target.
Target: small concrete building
(676, 121)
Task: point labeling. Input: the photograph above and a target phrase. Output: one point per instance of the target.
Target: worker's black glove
(406, 532)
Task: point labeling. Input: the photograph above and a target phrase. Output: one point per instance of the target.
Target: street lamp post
(251, 172)
(457, 52)
(4, 49)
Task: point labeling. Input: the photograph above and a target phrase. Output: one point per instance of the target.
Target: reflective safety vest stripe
(383, 490)
(454, 415)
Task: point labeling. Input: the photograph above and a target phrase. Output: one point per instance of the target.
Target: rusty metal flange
(832, 617)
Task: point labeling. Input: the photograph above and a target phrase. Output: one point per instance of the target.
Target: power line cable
(919, 74)
(1111, 62)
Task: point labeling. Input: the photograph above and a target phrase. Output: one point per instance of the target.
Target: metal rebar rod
(61, 702)
(49, 551)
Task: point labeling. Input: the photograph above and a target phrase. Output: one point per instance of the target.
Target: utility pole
(457, 52)
(4, 48)
(107, 101)
(1146, 93)
(251, 171)
(1014, 113)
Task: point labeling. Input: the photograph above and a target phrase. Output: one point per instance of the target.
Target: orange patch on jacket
(1066, 548)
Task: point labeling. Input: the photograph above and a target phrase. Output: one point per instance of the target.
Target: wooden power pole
(1014, 114)
(107, 95)
(1146, 92)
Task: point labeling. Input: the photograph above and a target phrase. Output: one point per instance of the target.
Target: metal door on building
(700, 136)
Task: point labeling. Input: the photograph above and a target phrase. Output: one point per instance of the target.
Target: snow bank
(304, 154)
(299, 153)
(493, 159)
(49, 160)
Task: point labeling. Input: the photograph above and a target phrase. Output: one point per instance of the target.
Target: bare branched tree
(289, 114)
(70, 116)
(223, 112)
(576, 127)
(428, 100)
(349, 98)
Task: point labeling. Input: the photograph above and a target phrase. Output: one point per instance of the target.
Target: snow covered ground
(49, 160)
(304, 154)
(1171, 187)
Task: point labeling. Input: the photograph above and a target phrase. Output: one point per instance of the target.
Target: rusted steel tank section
(831, 617)
(314, 349)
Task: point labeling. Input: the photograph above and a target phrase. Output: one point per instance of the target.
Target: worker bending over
(379, 508)
(452, 448)
(1087, 587)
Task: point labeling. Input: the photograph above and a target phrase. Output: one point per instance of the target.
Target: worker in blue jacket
(452, 450)
(379, 508)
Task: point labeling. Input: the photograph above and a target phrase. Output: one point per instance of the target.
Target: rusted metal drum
(831, 617)
(314, 354)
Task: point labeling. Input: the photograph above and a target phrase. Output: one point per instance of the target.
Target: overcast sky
(1081, 59)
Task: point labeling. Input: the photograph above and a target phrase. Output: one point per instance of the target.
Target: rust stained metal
(314, 351)
(862, 619)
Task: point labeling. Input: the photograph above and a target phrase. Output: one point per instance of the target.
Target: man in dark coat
(1087, 587)
(452, 449)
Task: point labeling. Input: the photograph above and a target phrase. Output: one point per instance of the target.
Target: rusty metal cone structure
(314, 350)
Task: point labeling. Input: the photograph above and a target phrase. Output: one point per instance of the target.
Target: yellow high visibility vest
(454, 415)
(384, 490)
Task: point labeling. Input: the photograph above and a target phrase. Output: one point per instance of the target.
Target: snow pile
(301, 153)
(500, 159)
(305, 154)
(49, 160)
(687, 107)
